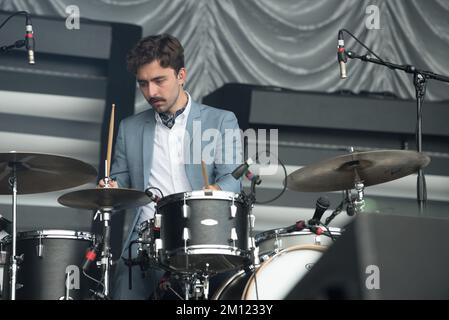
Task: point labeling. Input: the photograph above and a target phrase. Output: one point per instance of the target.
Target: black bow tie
(168, 119)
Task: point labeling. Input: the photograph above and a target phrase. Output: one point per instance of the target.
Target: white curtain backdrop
(284, 43)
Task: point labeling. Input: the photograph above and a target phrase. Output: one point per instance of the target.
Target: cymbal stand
(14, 258)
(420, 78)
(106, 255)
(359, 201)
(356, 202)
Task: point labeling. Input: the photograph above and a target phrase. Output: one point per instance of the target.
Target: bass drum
(275, 278)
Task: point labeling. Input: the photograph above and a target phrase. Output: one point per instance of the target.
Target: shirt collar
(183, 116)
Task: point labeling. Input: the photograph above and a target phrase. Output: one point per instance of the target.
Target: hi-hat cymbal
(340, 173)
(38, 172)
(100, 198)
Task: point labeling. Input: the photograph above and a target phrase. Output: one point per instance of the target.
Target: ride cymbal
(372, 167)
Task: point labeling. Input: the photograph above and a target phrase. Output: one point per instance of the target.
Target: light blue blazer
(133, 152)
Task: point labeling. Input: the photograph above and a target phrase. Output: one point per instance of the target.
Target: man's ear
(182, 75)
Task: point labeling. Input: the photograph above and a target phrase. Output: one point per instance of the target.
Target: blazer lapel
(189, 157)
(193, 114)
(148, 140)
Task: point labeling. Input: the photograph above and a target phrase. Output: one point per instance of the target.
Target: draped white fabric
(285, 43)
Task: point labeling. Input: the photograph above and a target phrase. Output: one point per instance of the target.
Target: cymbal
(373, 167)
(39, 172)
(94, 199)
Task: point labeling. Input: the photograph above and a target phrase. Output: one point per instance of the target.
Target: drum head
(199, 194)
(277, 276)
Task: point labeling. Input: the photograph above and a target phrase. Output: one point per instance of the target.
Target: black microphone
(29, 39)
(341, 55)
(322, 204)
(241, 169)
(152, 196)
(90, 256)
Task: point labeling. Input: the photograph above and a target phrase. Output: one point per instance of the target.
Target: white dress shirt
(167, 167)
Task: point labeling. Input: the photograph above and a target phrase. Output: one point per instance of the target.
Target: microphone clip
(152, 196)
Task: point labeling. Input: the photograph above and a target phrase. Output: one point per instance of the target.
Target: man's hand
(112, 184)
(213, 187)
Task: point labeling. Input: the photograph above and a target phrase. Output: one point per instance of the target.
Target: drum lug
(158, 246)
(254, 251)
(251, 243)
(185, 208)
(233, 210)
(234, 234)
(186, 234)
(277, 242)
(256, 259)
(186, 238)
(185, 211)
(233, 237)
(252, 219)
(157, 220)
(40, 248)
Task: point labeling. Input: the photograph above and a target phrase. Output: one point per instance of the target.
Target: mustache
(155, 99)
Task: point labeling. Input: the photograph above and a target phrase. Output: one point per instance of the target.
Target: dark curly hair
(163, 47)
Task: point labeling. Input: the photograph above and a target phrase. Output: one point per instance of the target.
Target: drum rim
(56, 234)
(204, 249)
(221, 289)
(281, 232)
(277, 255)
(200, 194)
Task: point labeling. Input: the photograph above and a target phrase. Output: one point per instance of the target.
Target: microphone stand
(106, 255)
(420, 78)
(251, 200)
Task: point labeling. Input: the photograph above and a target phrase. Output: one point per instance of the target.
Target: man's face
(161, 87)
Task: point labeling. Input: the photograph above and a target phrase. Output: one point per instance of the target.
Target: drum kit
(194, 235)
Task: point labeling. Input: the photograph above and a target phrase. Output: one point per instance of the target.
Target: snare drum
(273, 241)
(49, 256)
(203, 231)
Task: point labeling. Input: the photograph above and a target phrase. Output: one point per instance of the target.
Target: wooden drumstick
(111, 136)
(204, 171)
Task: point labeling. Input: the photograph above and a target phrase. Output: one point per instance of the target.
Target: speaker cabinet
(382, 257)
